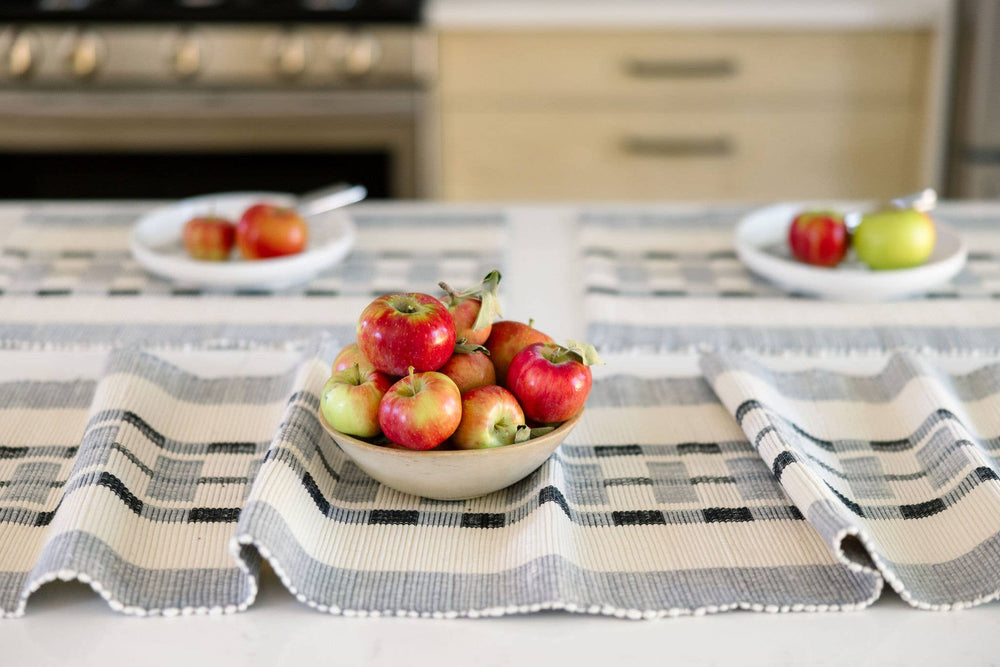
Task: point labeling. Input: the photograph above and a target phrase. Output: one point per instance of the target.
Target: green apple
(351, 399)
(894, 239)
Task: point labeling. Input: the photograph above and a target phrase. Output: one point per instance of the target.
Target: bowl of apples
(436, 400)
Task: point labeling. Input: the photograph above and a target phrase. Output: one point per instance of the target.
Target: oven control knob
(291, 55)
(86, 55)
(22, 53)
(356, 55)
(186, 58)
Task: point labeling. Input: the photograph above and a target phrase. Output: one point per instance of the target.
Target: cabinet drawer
(478, 69)
(848, 153)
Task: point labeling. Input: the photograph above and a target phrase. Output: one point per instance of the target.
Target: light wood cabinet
(686, 115)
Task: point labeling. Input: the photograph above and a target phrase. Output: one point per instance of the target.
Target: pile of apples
(427, 373)
(894, 238)
(263, 231)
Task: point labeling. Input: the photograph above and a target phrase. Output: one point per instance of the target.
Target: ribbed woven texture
(904, 459)
(150, 491)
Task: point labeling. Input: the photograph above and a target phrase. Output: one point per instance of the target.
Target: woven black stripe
(727, 514)
(763, 433)
(483, 520)
(551, 494)
(985, 474)
(744, 408)
(13, 452)
(316, 494)
(782, 461)
(921, 510)
(214, 515)
(639, 518)
(110, 481)
(603, 451)
(628, 481)
(232, 448)
(708, 479)
(698, 448)
(395, 517)
(124, 292)
(53, 292)
(848, 503)
(148, 431)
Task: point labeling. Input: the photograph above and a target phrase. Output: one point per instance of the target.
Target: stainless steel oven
(171, 107)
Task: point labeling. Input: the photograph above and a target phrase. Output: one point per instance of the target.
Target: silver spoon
(326, 199)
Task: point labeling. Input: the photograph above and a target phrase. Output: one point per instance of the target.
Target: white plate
(762, 245)
(155, 244)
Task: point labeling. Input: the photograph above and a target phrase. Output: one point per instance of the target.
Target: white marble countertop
(68, 624)
(722, 14)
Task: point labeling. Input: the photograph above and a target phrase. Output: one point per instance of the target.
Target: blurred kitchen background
(501, 100)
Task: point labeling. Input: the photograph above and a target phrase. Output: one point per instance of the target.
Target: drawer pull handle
(711, 68)
(678, 146)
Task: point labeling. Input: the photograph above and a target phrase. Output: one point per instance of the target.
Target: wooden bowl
(452, 474)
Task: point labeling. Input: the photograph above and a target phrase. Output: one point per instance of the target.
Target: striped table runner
(158, 441)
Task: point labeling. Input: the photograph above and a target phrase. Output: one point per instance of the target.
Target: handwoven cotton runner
(905, 459)
(146, 485)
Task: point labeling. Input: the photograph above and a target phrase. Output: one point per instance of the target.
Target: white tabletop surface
(67, 624)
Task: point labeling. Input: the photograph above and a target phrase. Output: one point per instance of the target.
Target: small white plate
(762, 245)
(156, 245)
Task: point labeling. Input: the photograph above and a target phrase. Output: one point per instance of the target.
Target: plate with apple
(881, 254)
(240, 240)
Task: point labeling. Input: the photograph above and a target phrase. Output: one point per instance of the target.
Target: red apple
(469, 367)
(349, 356)
(474, 310)
(421, 411)
(552, 381)
(266, 231)
(490, 417)
(507, 339)
(351, 399)
(397, 331)
(819, 238)
(209, 237)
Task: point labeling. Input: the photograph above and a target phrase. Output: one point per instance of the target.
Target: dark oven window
(66, 175)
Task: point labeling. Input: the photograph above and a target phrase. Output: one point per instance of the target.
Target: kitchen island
(659, 289)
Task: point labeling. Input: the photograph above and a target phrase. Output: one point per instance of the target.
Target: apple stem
(531, 322)
(356, 374)
(452, 294)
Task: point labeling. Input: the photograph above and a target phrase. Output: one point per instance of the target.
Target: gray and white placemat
(667, 278)
(67, 278)
(902, 458)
